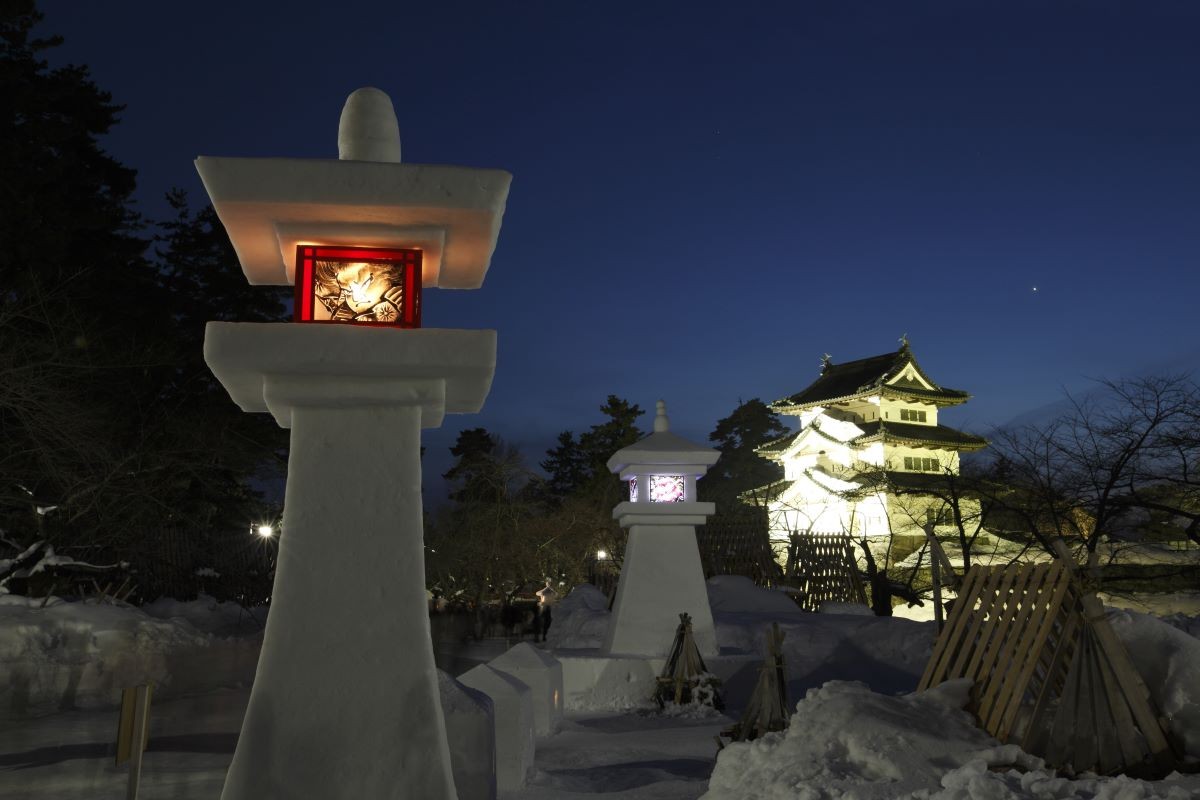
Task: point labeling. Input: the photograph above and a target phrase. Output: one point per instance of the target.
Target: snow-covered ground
(857, 731)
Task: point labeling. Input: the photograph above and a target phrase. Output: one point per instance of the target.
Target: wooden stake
(133, 731)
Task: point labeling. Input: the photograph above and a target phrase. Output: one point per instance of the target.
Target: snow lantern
(358, 285)
(663, 467)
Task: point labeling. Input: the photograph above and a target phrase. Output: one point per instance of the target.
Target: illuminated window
(358, 285)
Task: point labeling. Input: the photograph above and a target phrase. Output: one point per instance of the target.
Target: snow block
(512, 701)
(544, 675)
(471, 734)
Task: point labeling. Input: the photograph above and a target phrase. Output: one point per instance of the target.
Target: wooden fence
(1049, 673)
(823, 567)
(739, 545)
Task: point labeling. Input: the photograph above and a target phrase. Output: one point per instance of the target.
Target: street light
(265, 531)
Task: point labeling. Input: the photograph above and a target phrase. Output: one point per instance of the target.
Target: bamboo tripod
(768, 707)
(685, 678)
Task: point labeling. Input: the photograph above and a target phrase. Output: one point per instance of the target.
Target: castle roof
(887, 375)
(926, 435)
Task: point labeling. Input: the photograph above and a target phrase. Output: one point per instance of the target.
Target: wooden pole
(132, 733)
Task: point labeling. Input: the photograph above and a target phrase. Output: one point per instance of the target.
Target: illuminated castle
(868, 452)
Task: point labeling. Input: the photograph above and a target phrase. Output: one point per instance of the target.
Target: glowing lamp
(358, 285)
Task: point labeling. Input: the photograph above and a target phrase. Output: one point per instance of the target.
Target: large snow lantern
(358, 285)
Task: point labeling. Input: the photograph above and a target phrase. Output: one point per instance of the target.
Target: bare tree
(1135, 445)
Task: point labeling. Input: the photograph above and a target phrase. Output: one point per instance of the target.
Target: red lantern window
(358, 285)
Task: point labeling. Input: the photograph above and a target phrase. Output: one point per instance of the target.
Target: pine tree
(740, 468)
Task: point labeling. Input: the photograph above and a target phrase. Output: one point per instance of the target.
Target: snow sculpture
(345, 704)
(471, 734)
(512, 700)
(544, 676)
(661, 575)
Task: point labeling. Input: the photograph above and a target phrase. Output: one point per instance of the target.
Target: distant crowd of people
(518, 618)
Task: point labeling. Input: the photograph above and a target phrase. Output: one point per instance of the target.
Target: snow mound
(1168, 659)
(847, 742)
(580, 620)
(733, 594)
(78, 655)
(207, 614)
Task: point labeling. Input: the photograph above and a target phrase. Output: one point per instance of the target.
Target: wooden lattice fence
(1049, 673)
(739, 545)
(823, 567)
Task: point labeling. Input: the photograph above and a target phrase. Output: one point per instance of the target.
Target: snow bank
(77, 655)
(580, 620)
(734, 594)
(207, 614)
(1168, 659)
(886, 653)
(848, 742)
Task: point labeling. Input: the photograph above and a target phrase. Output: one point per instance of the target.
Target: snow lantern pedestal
(345, 702)
(661, 575)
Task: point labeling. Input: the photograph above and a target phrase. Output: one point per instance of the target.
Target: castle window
(917, 464)
(912, 415)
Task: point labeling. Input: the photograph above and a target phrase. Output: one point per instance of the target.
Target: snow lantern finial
(661, 423)
(368, 130)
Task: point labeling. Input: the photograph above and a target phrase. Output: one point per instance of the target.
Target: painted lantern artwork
(663, 489)
(358, 285)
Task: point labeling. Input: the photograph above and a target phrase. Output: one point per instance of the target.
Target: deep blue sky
(706, 198)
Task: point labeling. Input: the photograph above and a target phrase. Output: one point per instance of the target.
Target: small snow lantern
(663, 467)
(358, 285)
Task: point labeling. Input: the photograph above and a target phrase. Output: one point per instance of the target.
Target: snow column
(345, 703)
(661, 577)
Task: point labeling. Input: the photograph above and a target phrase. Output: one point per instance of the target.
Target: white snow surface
(850, 739)
(850, 743)
(207, 614)
(80, 655)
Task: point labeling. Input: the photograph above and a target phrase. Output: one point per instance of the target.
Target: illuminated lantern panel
(358, 285)
(663, 489)
(666, 488)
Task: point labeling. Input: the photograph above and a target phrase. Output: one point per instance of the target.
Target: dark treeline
(118, 444)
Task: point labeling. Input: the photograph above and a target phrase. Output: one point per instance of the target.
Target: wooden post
(132, 733)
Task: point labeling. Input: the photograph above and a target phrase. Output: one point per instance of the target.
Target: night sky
(708, 198)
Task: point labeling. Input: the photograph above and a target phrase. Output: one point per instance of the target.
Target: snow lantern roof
(365, 198)
(662, 449)
(894, 374)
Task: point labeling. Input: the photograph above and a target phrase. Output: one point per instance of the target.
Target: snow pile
(848, 742)
(1168, 659)
(207, 614)
(580, 620)
(737, 594)
(887, 653)
(79, 655)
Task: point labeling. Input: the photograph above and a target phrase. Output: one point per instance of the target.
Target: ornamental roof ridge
(853, 379)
